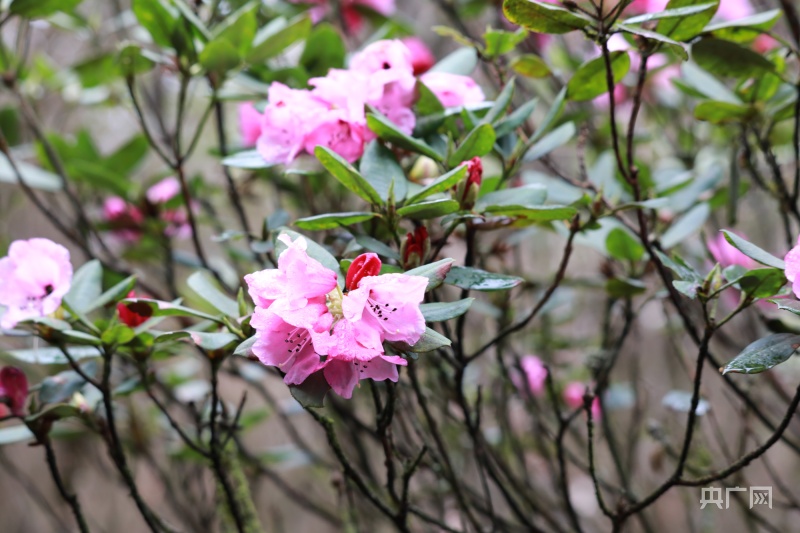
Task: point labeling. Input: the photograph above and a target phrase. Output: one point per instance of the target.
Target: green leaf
(753, 252)
(681, 269)
(515, 119)
(119, 334)
(622, 245)
(34, 177)
(439, 312)
(238, 29)
(590, 80)
(718, 112)
(499, 42)
(556, 138)
(80, 338)
(480, 280)
(347, 175)
(624, 287)
(463, 61)
(430, 340)
(214, 341)
(670, 13)
(542, 213)
(745, 29)
(333, 220)
(531, 66)
(427, 210)
(324, 50)
(685, 27)
(202, 283)
(53, 356)
(525, 196)
(679, 48)
(552, 114)
(99, 70)
(157, 18)
(543, 18)
(478, 143)
(763, 354)
(156, 308)
(686, 225)
(762, 282)
(442, 183)
(274, 38)
(15, 434)
(249, 159)
(687, 288)
(380, 168)
(245, 348)
(435, 272)
(128, 156)
(219, 57)
(725, 58)
(312, 391)
(41, 8)
(387, 130)
(314, 250)
(86, 287)
(374, 245)
(500, 104)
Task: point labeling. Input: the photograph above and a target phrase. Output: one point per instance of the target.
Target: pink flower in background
(13, 391)
(734, 9)
(249, 123)
(350, 10)
(286, 122)
(125, 219)
(534, 374)
(177, 221)
(422, 59)
(453, 90)
(792, 260)
(34, 277)
(573, 397)
(726, 254)
(163, 191)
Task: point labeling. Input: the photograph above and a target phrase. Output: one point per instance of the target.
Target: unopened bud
(14, 389)
(467, 191)
(362, 266)
(129, 316)
(415, 248)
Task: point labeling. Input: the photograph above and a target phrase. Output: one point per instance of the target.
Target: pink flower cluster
(332, 113)
(534, 379)
(305, 323)
(34, 277)
(127, 220)
(792, 271)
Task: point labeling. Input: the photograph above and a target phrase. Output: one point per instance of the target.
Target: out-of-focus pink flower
(573, 397)
(453, 90)
(764, 43)
(388, 59)
(13, 391)
(350, 10)
(726, 254)
(163, 191)
(535, 374)
(249, 123)
(124, 219)
(34, 276)
(422, 59)
(792, 260)
(734, 9)
(177, 220)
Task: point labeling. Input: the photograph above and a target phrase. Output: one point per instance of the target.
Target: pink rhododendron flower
(249, 123)
(422, 59)
(350, 10)
(453, 90)
(534, 374)
(573, 397)
(726, 254)
(34, 276)
(163, 191)
(286, 122)
(13, 391)
(301, 314)
(125, 219)
(176, 219)
(792, 260)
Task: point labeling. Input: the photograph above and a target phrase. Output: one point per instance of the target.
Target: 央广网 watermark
(713, 496)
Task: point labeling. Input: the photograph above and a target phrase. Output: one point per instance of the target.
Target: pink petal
(342, 377)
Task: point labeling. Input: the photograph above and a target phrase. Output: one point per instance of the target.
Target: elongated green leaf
(156, 308)
(201, 283)
(525, 196)
(685, 27)
(463, 61)
(541, 17)
(245, 348)
(432, 209)
(753, 252)
(157, 18)
(478, 143)
(556, 138)
(724, 112)
(53, 356)
(311, 392)
(590, 80)
(14, 434)
(41, 8)
(480, 280)
(219, 57)
(686, 225)
(347, 175)
(238, 28)
(499, 42)
(32, 176)
(380, 168)
(542, 213)
(324, 50)
(763, 354)
(515, 119)
(87, 286)
(669, 13)
(430, 341)
(530, 66)
(374, 245)
(500, 104)
(552, 115)
(387, 130)
(114, 294)
(725, 58)
(745, 29)
(214, 341)
(250, 159)
(622, 245)
(441, 184)
(333, 220)
(274, 39)
(762, 282)
(439, 312)
(435, 272)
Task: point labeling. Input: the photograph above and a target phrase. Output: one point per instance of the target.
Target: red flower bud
(474, 171)
(415, 247)
(13, 389)
(467, 190)
(362, 266)
(128, 316)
